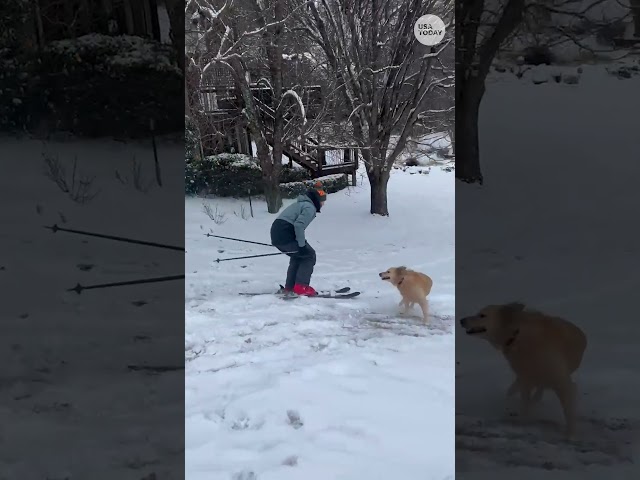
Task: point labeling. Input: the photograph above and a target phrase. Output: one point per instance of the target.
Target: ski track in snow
(322, 388)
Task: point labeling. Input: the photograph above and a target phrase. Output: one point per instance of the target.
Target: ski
(323, 295)
(328, 292)
(342, 290)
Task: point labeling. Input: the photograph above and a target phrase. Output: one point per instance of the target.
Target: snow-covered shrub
(14, 18)
(226, 175)
(98, 85)
(14, 77)
(113, 53)
(104, 85)
(17, 78)
(229, 174)
(623, 71)
(331, 184)
(290, 174)
(191, 140)
(191, 155)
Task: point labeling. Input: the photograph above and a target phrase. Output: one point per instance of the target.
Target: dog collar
(510, 340)
(400, 282)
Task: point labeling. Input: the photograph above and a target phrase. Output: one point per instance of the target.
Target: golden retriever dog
(413, 286)
(543, 352)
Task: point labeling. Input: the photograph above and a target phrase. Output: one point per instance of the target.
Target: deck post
(320, 161)
(355, 159)
(239, 143)
(249, 140)
(229, 135)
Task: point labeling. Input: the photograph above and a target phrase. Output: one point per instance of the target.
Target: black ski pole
(239, 240)
(79, 288)
(56, 228)
(252, 256)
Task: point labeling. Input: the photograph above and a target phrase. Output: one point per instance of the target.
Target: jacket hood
(313, 197)
(303, 198)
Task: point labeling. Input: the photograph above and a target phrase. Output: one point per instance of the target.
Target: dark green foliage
(13, 76)
(191, 143)
(289, 175)
(13, 24)
(191, 156)
(94, 85)
(329, 185)
(235, 175)
(226, 175)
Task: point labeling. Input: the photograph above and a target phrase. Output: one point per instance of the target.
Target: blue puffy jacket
(300, 214)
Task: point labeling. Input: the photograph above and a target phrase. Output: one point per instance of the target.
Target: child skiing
(287, 235)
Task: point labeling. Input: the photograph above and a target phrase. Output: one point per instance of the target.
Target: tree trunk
(467, 114)
(155, 21)
(274, 55)
(176, 23)
(39, 27)
(128, 14)
(270, 175)
(379, 180)
(85, 16)
(272, 193)
(635, 12)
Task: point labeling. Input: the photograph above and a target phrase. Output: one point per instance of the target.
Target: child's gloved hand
(304, 250)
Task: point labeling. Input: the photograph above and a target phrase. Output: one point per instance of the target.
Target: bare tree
(385, 77)
(485, 27)
(239, 36)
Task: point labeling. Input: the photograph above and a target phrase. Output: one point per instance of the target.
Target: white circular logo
(429, 30)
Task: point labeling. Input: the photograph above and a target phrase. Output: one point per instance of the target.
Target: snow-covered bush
(235, 175)
(331, 184)
(292, 174)
(112, 54)
(17, 79)
(191, 155)
(14, 77)
(96, 85)
(191, 140)
(14, 18)
(226, 175)
(114, 85)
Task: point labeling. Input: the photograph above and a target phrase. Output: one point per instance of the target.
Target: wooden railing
(307, 152)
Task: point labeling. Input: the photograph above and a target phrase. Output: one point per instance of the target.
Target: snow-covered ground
(315, 388)
(553, 226)
(69, 406)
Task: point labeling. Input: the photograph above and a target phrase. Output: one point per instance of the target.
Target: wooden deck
(319, 161)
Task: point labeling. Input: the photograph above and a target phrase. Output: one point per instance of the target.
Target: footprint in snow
(294, 419)
(291, 461)
(244, 475)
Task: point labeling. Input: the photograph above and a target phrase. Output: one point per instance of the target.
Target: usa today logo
(429, 30)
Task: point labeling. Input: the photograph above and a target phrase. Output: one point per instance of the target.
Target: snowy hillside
(561, 167)
(316, 388)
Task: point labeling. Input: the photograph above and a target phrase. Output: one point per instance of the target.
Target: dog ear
(401, 270)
